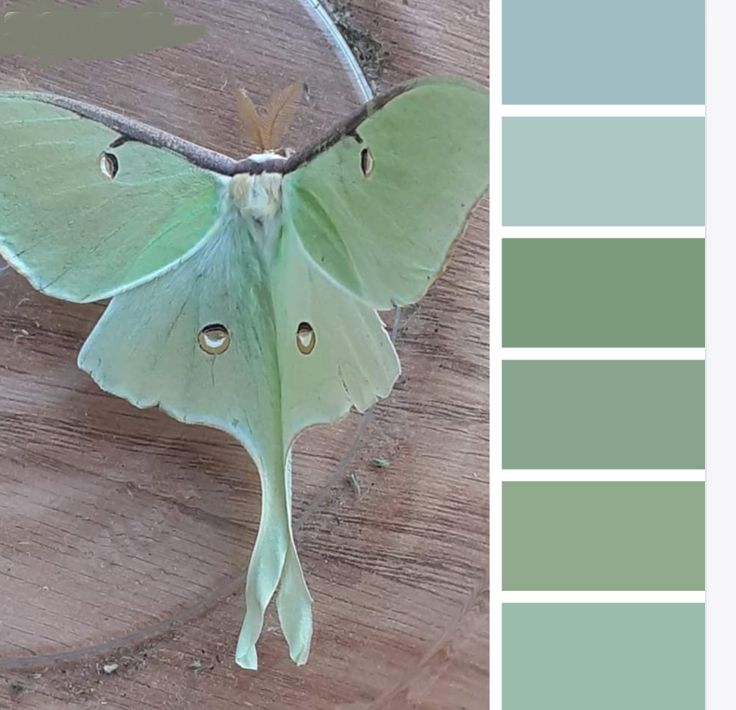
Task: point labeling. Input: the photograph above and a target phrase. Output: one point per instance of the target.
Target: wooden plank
(115, 520)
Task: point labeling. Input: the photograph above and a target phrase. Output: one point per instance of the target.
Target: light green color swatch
(589, 293)
(604, 535)
(603, 171)
(603, 657)
(603, 414)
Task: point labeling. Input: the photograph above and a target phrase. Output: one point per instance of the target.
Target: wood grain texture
(116, 522)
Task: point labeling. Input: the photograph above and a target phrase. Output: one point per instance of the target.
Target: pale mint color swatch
(603, 52)
(603, 171)
(603, 657)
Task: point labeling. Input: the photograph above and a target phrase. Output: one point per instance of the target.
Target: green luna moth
(244, 293)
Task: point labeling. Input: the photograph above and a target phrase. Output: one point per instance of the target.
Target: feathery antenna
(268, 128)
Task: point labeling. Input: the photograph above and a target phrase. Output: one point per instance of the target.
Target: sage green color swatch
(603, 171)
(603, 52)
(603, 657)
(604, 535)
(599, 293)
(583, 414)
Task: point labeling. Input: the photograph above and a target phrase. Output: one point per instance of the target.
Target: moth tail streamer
(274, 564)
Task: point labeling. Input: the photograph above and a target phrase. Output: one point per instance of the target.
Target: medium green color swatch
(604, 535)
(603, 414)
(603, 657)
(603, 52)
(603, 171)
(603, 293)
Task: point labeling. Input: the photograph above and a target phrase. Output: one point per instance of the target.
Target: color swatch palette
(603, 334)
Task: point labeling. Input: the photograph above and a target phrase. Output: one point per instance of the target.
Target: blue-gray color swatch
(603, 51)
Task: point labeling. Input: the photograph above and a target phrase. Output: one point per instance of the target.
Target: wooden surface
(124, 533)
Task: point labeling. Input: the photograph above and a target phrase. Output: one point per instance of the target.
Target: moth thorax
(257, 196)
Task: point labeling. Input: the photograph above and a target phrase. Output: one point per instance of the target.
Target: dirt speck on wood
(17, 687)
(353, 482)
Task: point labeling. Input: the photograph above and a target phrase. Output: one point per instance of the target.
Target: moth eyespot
(305, 338)
(366, 162)
(214, 339)
(108, 165)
